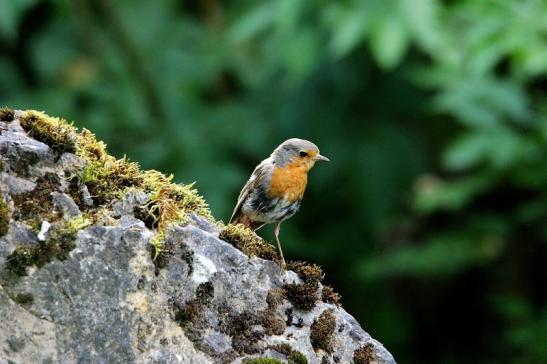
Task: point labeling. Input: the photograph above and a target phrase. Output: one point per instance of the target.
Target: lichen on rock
(103, 262)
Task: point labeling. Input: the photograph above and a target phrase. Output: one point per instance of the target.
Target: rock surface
(106, 301)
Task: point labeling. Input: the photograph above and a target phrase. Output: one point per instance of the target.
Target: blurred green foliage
(430, 219)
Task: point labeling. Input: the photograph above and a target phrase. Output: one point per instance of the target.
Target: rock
(65, 204)
(91, 292)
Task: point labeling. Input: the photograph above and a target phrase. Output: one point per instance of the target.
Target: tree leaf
(389, 42)
(11, 12)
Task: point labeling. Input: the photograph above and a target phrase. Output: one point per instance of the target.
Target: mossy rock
(56, 133)
(293, 356)
(6, 114)
(228, 306)
(322, 330)
(108, 179)
(60, 241)
(364, 355)
(328, 295)
(4, 217)
(262, 361)
(248, 242)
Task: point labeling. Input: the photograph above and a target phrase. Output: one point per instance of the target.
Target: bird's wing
(258, 176)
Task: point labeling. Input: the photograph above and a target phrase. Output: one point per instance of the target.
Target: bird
(276, 187)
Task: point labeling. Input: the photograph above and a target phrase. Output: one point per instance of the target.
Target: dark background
(430, 219)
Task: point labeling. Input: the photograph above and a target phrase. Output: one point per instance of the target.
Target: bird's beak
(319, 157)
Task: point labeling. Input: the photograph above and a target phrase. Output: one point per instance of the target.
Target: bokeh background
(431, 218)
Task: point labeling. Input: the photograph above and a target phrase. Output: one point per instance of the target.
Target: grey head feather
(291, 148)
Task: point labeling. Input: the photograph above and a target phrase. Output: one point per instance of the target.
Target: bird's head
(298, 153)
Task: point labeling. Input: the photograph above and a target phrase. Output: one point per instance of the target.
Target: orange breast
(288, 182)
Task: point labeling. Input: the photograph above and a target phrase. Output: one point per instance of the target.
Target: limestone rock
(92, 293)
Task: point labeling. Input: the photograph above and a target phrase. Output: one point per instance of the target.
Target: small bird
(276, 187)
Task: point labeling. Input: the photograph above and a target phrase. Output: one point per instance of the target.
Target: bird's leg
(276, 234)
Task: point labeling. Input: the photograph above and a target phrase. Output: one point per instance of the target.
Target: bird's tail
(246, 221)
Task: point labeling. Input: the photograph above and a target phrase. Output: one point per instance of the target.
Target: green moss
(161, 251)
(21, 258)
(248, 242)
(24, 299)
(329, 296)
(170, 202)
(284, 349)
(297, 357)
(6, 114)
(364, 355)
(4, 217)
(321, 331)
(293, 356)
(37, 205)
(56, 133)
(108, 178)
(60, 240)
(2, 166)
(262, 361)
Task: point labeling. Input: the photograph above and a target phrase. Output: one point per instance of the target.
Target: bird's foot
(282, 265)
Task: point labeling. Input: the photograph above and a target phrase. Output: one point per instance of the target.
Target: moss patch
(6, 114)
(4, 217)
(169, 203)
(293, 356)
(321, 331)
(309, 273)
(24, 299)
(60, 240)
(297, 357)
(329, 296)
(272, 322)
(302, 296)
(37, 205)
(108, 178)
(305, 295)
(364, 355)
(262, 361)
(240, 328)
(161, 252)
(56, 133)
(275, 297)
(191, 312)
(18, 261)
(248, 242)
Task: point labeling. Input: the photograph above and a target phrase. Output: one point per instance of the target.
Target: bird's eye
(303, 154)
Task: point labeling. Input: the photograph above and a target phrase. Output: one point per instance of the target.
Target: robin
(276, 187)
